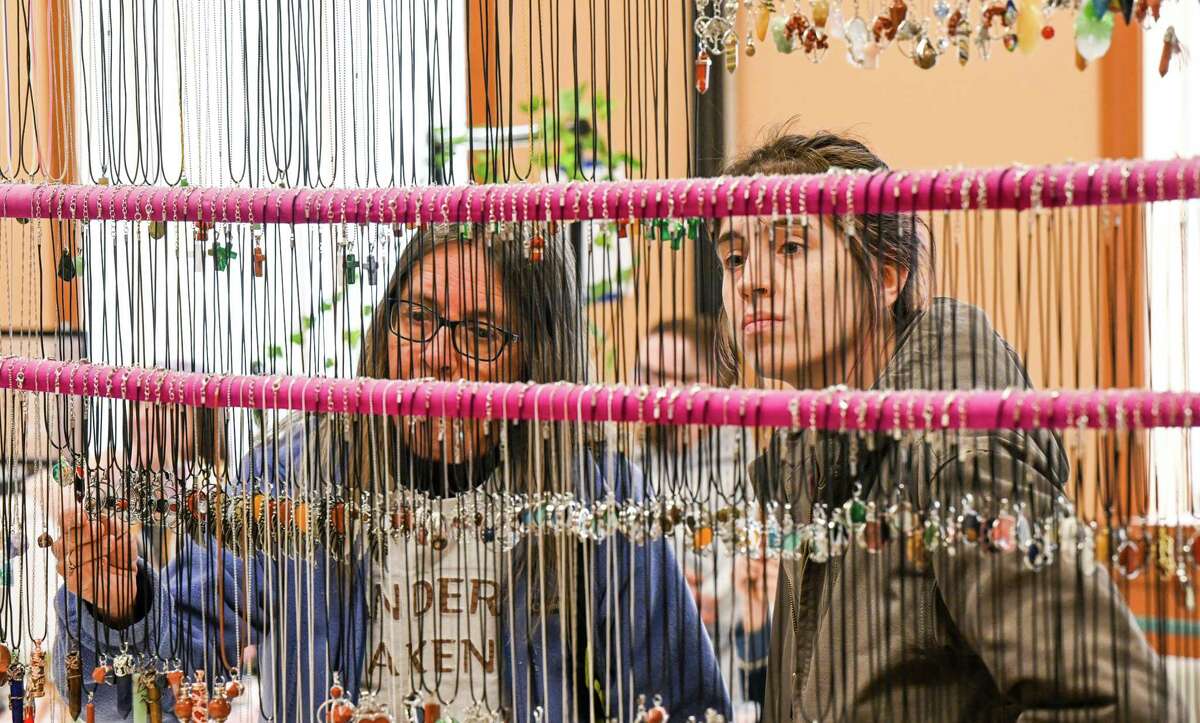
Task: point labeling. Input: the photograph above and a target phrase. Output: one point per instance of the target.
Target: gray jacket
(904, 635)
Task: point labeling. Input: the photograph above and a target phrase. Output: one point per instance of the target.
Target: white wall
(1171, 122)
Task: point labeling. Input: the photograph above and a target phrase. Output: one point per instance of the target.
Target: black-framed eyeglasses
(480, 340)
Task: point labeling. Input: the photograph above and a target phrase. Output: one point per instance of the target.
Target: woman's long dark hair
(356, 457)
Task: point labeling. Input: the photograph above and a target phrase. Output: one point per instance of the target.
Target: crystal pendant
(972, 527)
(1130, 556)
(837, 27)
(876, 534)
(941, 10)
(703, 67)
(1030, 21)
(1023, 532)
(1000, 530)
(762, 23)
(857, 36)
(731, 53)
(820, 13)
(907, 30)
(839, 537)
(858, 511)
(780, 35)
(983, 42)
(925, 55)
(1093, 34)
(818, 548)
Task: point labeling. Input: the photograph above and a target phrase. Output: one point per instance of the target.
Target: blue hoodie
(644, 622)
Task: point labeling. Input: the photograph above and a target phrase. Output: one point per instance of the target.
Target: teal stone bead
(791, 541)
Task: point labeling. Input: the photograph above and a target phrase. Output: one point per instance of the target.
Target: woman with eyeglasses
(442, 618)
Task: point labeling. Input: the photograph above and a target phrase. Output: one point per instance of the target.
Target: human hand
(97, 557)
(754, 583)
(705, 603)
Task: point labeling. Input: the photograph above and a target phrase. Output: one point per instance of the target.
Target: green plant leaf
(306, 322)
(297, 338)
(368, 309)
(326, 306)
(275, 351)
(352, 336)
(329, 363)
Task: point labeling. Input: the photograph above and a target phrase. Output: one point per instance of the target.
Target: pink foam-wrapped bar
(1013, 187)
(830, 409)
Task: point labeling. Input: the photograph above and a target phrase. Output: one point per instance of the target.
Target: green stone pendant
(222, 255)
(157, 229)
(858, 512)
(677, 232)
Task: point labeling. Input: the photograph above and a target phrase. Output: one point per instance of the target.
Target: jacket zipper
(793, 603)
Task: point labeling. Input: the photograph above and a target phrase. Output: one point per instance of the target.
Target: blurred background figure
(684, 352)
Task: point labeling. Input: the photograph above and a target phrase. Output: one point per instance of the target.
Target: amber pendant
(1129, 556)
(258, 262)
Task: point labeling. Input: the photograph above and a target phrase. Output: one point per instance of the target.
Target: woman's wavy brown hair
(896, 240)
